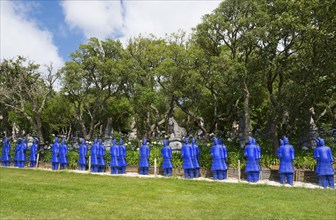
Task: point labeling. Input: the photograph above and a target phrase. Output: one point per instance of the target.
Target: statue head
(95, 141)
(114, 142)
(165, 143)
(56, 140)
(83, 142)
(281, 142)
(6, 141)
(144, 142)
(19, 141)
(63, 142)
(23, 141)
(121, 142)
(100, 142)
(215, 140)
(194, 141)
(220, 141)
(250, 140)
(186, 140)
(286, 141)
(322, 142)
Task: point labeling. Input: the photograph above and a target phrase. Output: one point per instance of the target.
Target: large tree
(25, 90)
(98, 70)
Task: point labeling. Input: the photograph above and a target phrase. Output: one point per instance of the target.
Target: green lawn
(61, 195)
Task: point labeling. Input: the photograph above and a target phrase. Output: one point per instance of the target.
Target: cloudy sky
(49, 30)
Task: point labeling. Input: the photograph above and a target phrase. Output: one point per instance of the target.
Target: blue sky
(49, 30)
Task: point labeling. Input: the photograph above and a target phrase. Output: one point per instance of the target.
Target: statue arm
(279, 154)
(331, 159)
(315, 154)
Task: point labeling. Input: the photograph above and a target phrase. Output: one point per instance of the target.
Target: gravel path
(229, 180)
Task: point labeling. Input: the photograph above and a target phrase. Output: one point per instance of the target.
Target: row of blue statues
(190, 154)
(19, 153)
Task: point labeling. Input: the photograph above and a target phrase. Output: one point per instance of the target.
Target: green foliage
(73, 159)
(47, 156)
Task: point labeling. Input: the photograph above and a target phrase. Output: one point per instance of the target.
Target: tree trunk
(246, 115)
(274, 136)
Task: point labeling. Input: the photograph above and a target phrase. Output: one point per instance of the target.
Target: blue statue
(196, 156)
(63, 155)
(187, 155)
(258, 154)
(17, 152)
(252, 155)
(217, 162)
(225, 157)
(122, 157)
(166, 153)
(315, 157)
(22, 154)
(114, 152)
(100, 156)
(5, 157)
(55, 154)
(82, 156)
(33, 153)
(144, 156)
(94, 156)
(286, 156)
(325, 160)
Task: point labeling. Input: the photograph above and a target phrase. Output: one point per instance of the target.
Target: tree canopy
(264, 68)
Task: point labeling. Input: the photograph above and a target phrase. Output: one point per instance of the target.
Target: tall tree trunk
(246, 115)
(274, 136)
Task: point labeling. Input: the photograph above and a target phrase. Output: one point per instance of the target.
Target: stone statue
(166, 153)
(144, 156)
(22, 153)
(17, 153)
(176, 134)
(122, 157)
(195, 158)
(82, 156)
(114, 152)
(55, 154)
(286, 156)
(187, 155)
(252, 158)
(100, 157)
(94, 156)
(258, 157)
(33, 153)
(325, 160)
(224, 159)
(217, 166)
(5, 156)
(63, 155)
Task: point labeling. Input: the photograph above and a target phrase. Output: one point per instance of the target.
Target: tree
(230, 33)
(98, 71)
(24, 90)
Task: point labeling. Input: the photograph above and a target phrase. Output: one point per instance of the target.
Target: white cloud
(164, 17)
(95, 18)
(21, 36)
(105, 19)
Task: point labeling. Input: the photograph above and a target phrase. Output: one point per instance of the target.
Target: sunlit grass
(61, 195)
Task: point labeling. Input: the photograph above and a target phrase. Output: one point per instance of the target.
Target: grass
(42, 194)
